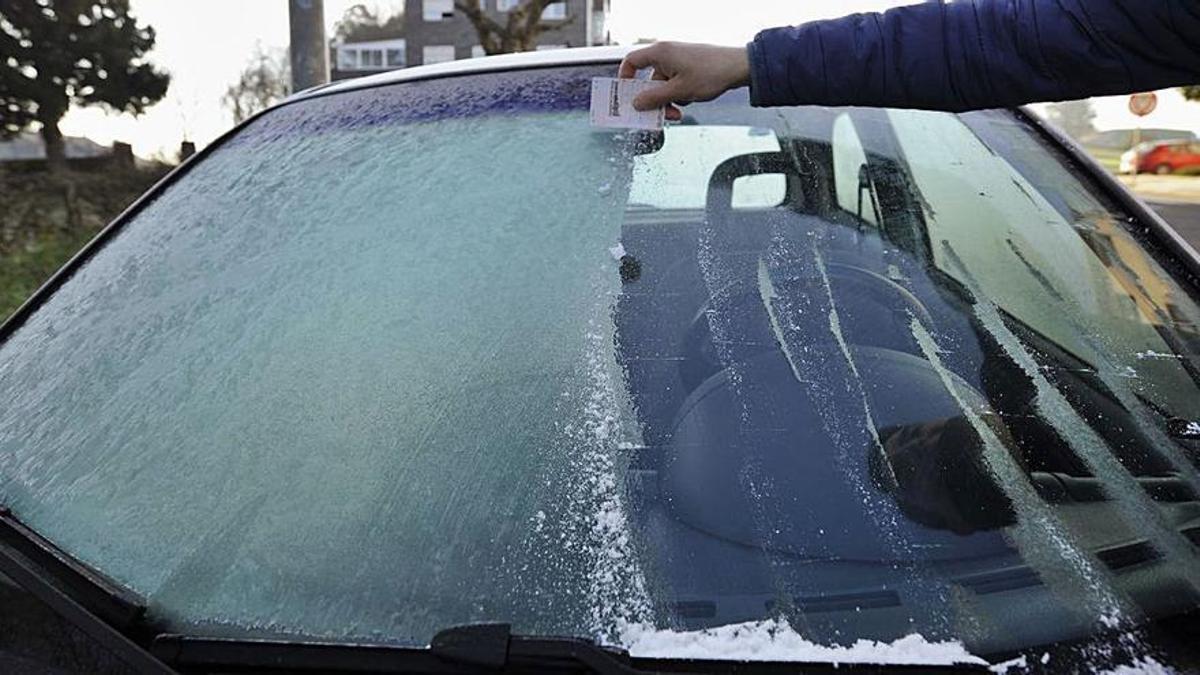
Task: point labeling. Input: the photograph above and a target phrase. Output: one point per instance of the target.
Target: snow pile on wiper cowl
(775, 640)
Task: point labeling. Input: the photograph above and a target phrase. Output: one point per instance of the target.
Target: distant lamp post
(310, 54)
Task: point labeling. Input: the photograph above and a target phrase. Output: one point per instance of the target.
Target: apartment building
(434, 32)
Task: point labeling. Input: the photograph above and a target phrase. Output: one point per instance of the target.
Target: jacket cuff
(758, 74)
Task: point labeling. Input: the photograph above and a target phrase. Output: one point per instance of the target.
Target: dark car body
(793, 386)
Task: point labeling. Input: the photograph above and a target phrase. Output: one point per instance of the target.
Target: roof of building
(483, 64)
(29, 146)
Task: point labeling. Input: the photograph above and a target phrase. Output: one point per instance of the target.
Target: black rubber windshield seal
(92, 602)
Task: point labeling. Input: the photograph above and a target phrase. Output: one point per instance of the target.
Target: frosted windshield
(437, 353)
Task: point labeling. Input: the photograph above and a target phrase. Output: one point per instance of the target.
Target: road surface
(1185, 218)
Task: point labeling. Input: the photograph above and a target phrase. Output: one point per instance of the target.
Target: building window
(598, 37)
(477, 51)
(437, 10)
(375, 55)
(555, 12)
(437, 53)
(370, 58)
(505, 5)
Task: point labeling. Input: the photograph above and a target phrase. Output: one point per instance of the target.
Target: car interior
(794, 424)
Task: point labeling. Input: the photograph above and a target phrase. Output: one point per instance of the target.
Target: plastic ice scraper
(612, 104)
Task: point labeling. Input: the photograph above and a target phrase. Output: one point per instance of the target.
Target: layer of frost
(1143, 666)
(1150, 354)
(776, 641)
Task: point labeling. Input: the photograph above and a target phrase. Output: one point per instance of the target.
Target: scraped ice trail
(923, 589)
(1065, 567)
(622, 607)
(1114, 376)
(1068, 569)
(592, 512)
(718, 279)
(1130, 499)
(616, 584)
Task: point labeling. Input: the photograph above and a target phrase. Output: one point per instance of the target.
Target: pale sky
(206, 44)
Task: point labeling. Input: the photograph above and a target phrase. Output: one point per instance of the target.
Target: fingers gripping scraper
(612, 104)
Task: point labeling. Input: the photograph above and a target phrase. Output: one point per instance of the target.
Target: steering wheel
(873, 311)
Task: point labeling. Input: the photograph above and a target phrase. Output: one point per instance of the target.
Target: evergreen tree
(59, 53)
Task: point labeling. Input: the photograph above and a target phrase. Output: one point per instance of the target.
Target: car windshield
(438, 352)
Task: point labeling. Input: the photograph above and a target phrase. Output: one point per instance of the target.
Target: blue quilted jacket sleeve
(972, 54)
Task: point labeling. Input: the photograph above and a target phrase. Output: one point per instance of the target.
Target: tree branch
(482, 22)
(533, 15)
(521, 27)
(563, 23)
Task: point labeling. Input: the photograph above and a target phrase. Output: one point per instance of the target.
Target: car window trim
(96, 605)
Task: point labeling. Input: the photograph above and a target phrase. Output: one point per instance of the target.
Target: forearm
(974, 54)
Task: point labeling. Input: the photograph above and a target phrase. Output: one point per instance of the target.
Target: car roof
(484, 64)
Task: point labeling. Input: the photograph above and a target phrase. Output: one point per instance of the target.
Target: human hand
(692, 72)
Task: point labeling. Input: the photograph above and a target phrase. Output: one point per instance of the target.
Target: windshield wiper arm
(494, 646)
(461, 649)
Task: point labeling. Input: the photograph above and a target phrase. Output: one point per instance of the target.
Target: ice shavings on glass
(775, 640)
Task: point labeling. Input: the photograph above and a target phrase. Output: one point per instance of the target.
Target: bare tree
(1074, 117)
(360, 22)
(263, 82)
(520, 30)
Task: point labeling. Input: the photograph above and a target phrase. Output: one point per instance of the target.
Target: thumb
(657, 97)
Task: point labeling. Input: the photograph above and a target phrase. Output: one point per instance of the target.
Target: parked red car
(1162, 157)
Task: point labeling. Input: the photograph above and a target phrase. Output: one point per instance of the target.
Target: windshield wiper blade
(470, 649)
(461, 649)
